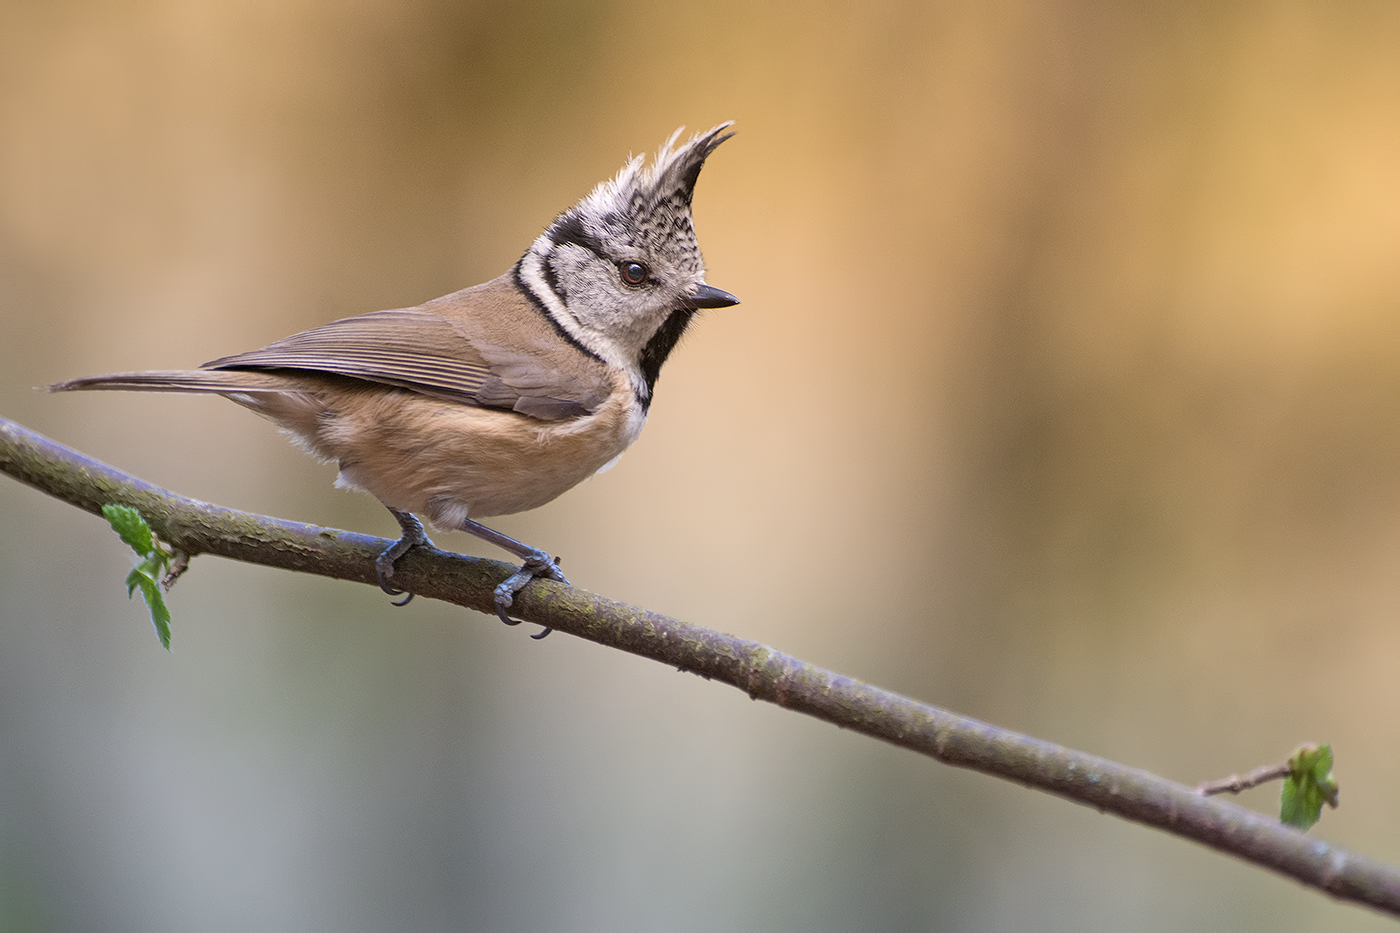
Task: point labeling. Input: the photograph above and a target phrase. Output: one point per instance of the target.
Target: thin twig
(178, 565)
(764, 673)
(1238, 782)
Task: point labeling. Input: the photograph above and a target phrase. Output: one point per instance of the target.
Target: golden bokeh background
(1065, 393)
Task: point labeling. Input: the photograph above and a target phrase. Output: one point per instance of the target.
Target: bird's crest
(646, 204)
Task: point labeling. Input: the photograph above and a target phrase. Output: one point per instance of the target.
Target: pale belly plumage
(446, 461)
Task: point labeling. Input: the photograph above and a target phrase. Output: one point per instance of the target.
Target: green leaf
(146, 575)
(133, 529)
(133, 579)
(1308, 787)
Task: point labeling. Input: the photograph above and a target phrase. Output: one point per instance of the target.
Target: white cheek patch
(532, 274)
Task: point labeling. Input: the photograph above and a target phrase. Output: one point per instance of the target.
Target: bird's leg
(384, 564)
(533, 563)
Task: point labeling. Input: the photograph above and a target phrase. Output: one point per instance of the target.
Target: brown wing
(408, 347)
(427, 352)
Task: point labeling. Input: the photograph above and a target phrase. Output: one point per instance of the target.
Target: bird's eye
(633, 273)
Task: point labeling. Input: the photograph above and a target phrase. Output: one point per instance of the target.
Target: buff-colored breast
(449, 461)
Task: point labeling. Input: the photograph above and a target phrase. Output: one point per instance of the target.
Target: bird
(497, 398)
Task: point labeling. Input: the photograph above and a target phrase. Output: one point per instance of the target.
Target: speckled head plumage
(649, 205)
(620, 272)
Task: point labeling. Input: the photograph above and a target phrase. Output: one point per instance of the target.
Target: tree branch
(195, 527)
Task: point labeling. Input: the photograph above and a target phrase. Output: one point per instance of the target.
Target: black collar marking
(659, 347)
(538, 304)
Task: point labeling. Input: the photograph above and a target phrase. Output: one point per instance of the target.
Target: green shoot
(1308, 786)
(147, 575)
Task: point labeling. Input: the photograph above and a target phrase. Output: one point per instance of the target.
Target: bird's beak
(707, 296)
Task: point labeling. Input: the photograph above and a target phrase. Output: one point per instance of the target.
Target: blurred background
(1065, 393)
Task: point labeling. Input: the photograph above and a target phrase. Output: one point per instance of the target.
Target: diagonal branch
(195, 527)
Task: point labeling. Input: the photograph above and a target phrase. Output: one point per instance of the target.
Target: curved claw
(503, 604)
(539, 564)
(383, 570)
(384, 564)
(503, 601)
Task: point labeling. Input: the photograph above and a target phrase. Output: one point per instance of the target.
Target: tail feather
(219, 381)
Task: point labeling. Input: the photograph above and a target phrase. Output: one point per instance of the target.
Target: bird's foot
(533, 563)
(536, 564)
(384, 564)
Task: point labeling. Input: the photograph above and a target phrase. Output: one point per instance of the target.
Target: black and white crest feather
(643, 215)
